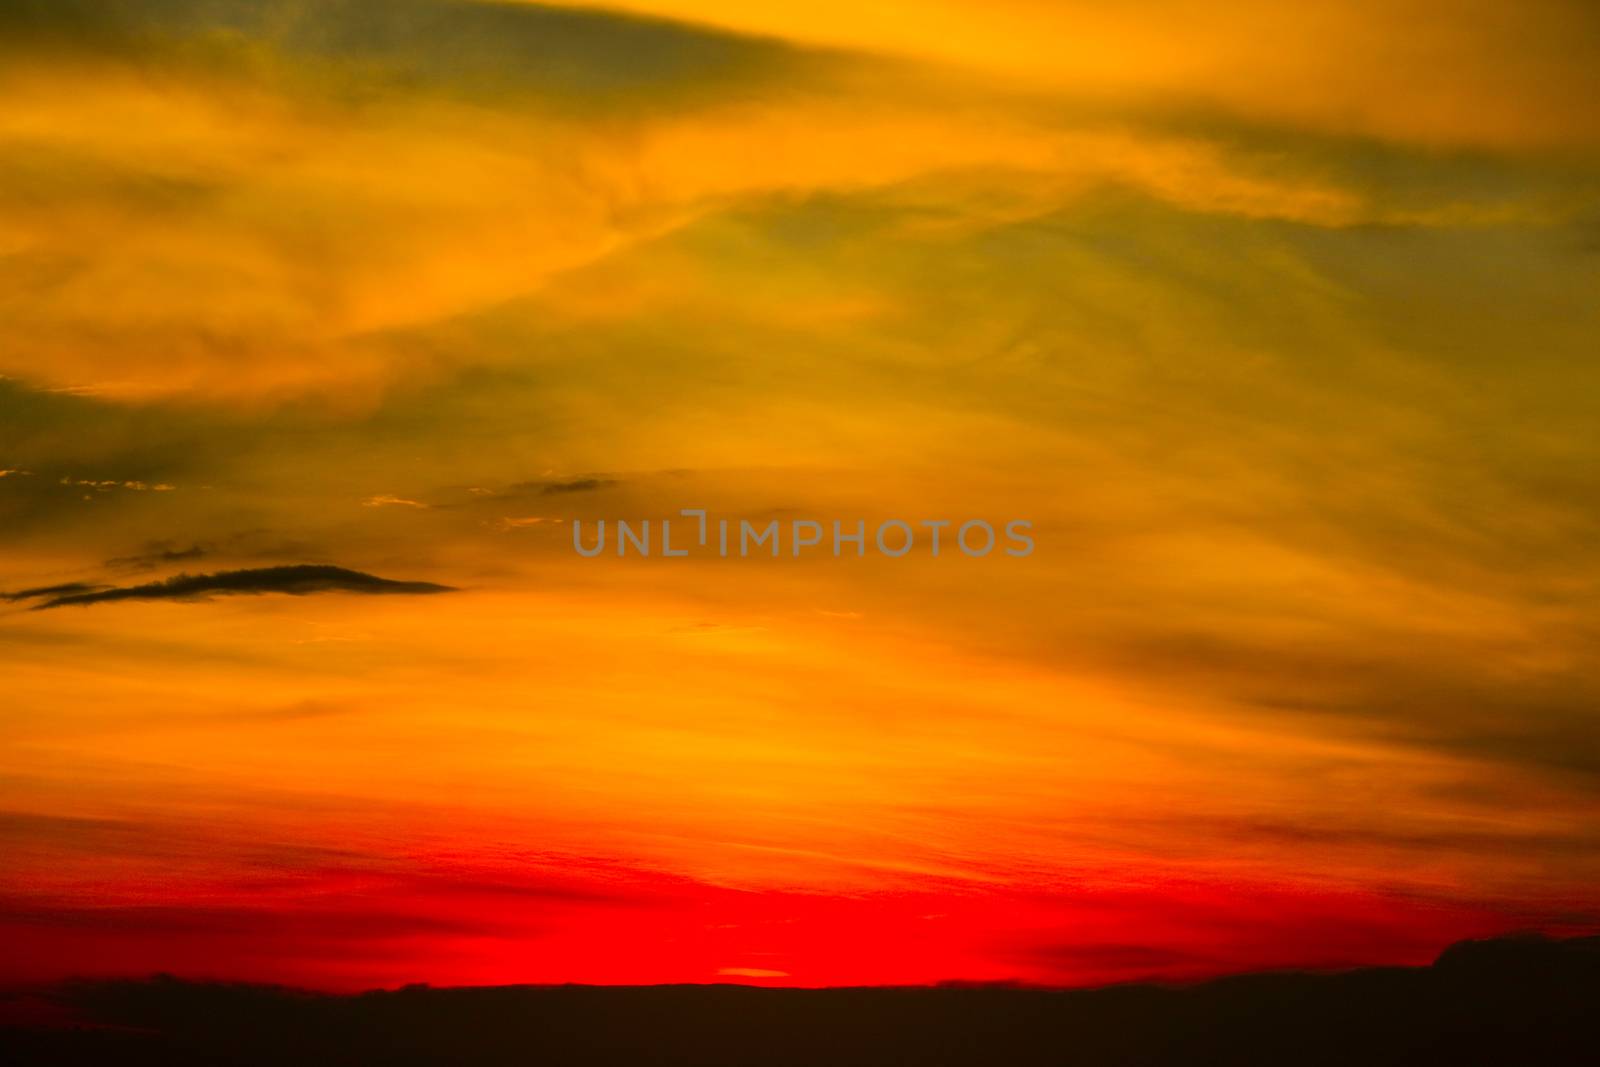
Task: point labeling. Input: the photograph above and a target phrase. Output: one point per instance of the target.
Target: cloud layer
(1277, 321)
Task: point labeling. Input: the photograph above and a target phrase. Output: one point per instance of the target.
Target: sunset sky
(1280, 322)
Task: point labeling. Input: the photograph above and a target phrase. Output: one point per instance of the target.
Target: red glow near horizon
(347, 930)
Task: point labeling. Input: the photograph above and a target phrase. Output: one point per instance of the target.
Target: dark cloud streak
(577, 485)
(299, 580)
(158, 552)
(64, 589)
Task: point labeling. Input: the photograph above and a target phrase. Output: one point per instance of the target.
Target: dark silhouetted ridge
(1518, 1002)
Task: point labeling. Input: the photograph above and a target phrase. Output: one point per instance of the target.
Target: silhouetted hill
(1527, 1002)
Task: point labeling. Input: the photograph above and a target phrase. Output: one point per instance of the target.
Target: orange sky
(1287, 359)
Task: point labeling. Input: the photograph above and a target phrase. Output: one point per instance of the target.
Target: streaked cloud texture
(1278, 322)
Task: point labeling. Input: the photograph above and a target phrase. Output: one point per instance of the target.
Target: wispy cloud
(157, 553)
(298, 580)
(386, 500)
(64, 589)
(106, 484)
(577, 485)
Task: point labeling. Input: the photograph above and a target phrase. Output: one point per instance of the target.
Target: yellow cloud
(1439, 72)
(215, 240)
